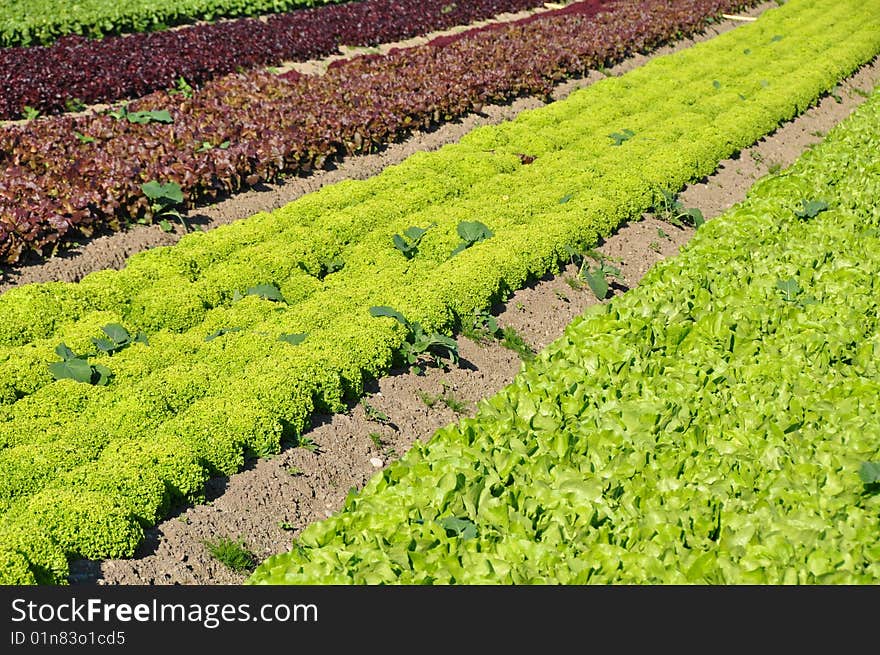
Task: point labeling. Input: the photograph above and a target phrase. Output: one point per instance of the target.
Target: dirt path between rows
(110, 251)
(269, 503)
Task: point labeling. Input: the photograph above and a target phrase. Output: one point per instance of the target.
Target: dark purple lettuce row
(69, 175)
(53, 79)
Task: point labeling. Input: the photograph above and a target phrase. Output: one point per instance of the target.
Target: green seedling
(446, 397)
(480, 327)
(117, 338)
(793, 293)
(429, 399)
(221, 332)
(164, 199)
(76, 367)
(408, 244)
(82, 138)
(376, 438)
(574, 256)
(620, 137)
(654, 246)
(869, 473)
(597, 277)
(29, 113)
(233, 554)
(153, 116)
(294, 471)
(561, 296)
(453, 403)
(119, 113)
(293, 339)
(774, 168)
(284, 525)
(811, 209)
(308, 443)
(374, 414)
(512, 340)
(330, 265)
(471, 232)
(662, 234)
(182, 87)
(264, 291)
(74, 104)
(671, 209)
(420, 347)
(463, 528)
(207, 145)
(327, 265)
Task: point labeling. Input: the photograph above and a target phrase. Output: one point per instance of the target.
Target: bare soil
(269, 503)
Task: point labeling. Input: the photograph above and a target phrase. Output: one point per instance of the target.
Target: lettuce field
(717, 423)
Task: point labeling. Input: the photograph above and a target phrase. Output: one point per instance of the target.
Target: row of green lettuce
(83, 468)
(710, 426)
(33, 22)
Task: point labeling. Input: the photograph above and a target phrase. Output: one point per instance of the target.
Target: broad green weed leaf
(155, 116)
(870, 472)
(104, 345)
(598, 283)
(221, 332)
(64, 352)
(811, 209)
(333, 265)
(170, 191)
(473, 231)
(267, 292)
(117, 333)
(414, 233)
(462, 528)
(384, 310)
(790, 289)
(620, 137)
(403, 246)
(100, 375)
(293, 339)
(696, 216)
(72, 369)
